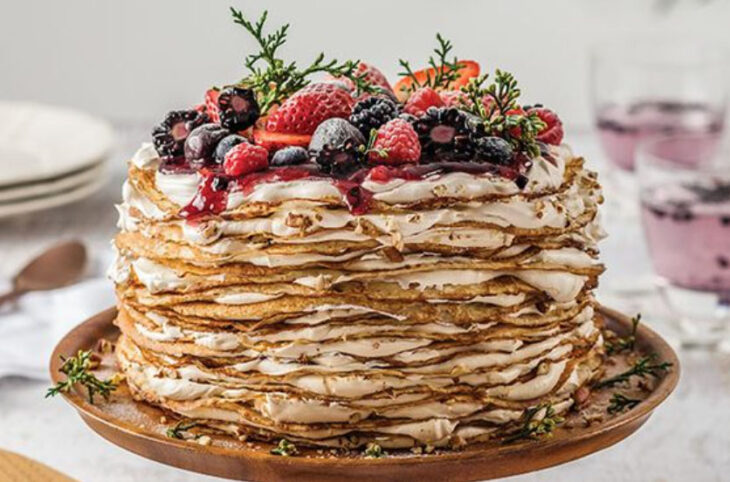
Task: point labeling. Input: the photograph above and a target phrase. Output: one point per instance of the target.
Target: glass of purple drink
(685, 211)
(646, 88)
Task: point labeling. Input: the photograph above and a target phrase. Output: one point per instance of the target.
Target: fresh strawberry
(371, 74)
(304, 111)
(273, 141)
(245, 158)
(454, 98)
(211, 105)
(419, 102)
(553, 131)
(396, 143)
(468, 69)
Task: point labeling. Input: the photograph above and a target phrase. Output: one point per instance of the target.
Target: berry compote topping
(358, 199)
(211, 198)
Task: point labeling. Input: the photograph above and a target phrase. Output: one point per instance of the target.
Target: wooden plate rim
(646, 337)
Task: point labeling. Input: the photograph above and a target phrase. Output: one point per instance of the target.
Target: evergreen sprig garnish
(78, 370)
(445, 71)
(627, 342)
(179, 429)
(644, 366)
(620, 402)
(285, 449)
(496, 105)
(374, 451)
(366, 149)
(274, 79)
(539, 421)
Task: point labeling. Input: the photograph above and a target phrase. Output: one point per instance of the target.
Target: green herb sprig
(539, 421)
(627, 342)
(620, 402)
(78, 370)
(644, 366)
(445, 71)
(179, 429)
(369, 147)
(520, 129)
(285, 449)
(374, 451)
(274, 79)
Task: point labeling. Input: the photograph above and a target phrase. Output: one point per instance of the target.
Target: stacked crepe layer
(438, 317)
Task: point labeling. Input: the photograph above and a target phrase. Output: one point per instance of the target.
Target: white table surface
(686, 439)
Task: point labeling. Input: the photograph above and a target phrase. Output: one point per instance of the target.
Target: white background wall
(133, 60)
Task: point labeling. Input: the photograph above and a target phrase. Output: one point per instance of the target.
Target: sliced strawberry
(372, 75)
(468, 69)
(304, 111)
(273, 141)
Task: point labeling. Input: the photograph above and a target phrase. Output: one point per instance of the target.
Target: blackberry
(225, 145)
(373, 112)
(336, 146)
(494, 150)
(444, 134)
(238, 108)
(289, 156)
(201, 143)
(170, 135)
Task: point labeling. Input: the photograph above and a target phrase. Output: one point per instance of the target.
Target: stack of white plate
(49, 156)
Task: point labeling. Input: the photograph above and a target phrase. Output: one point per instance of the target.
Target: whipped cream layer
(437, 317)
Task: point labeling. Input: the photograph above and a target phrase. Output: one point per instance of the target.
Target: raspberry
(454, 98)
(304, 111)
(553, 131)
(395, 143)
(419, 102)
(245, 158)
(211, 105)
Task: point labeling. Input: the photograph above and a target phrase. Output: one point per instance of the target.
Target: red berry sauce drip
(211, 197)
(212, 194)
(357, 198)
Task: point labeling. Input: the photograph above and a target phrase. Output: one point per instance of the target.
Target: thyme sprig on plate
(495, 104)
(78, 370)
(178, 430)
(374, 451)
(285, 449)
(620, 402)
(274, 79)
(627, 342)
(539, 421)
(644, 366)
(445, 71)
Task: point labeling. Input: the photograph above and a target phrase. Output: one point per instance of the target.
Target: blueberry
(201, 143)
(226, 144)
(289, 156)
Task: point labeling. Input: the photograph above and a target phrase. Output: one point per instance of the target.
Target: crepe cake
(424, 279)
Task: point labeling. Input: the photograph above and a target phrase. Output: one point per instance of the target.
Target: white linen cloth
(32, 325)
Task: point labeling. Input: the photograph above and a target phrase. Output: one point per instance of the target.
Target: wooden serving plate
(141, 429)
